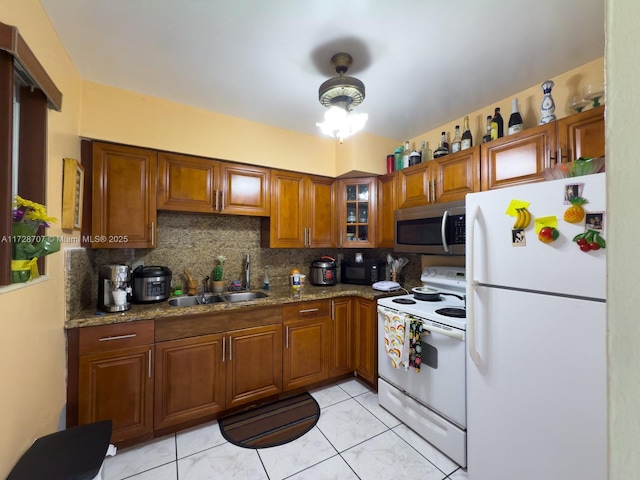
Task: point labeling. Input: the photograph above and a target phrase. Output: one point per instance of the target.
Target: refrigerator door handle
(471, 287)
(443, 230)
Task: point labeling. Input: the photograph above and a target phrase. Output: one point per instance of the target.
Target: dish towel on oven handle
(416, 329)
(402, 334)
(396, 337)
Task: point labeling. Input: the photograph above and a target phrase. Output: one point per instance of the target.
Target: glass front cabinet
(357, 199)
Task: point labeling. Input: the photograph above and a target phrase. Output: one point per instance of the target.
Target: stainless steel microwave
(436, 229)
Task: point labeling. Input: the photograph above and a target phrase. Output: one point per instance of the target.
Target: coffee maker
(114, 288)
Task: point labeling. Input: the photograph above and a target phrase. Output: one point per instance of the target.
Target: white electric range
(431, 401)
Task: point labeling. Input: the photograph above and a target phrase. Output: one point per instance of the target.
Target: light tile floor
(354, 439)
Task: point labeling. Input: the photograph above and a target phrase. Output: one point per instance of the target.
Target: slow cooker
(151, 284)
(323, 271)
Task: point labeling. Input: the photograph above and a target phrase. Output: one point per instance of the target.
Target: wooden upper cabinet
(321, 212)
(443, 179)
(202, 185)
(303, 211)
(387, 204)
(124, 197)
(357, 212)
(581, 135)
(245, 190)
(187, 184)
(519, 158)
(455, 175)
(414, 185)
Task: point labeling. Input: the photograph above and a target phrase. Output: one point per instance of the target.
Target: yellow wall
(32, 342)
(122, 116)
(529, 102)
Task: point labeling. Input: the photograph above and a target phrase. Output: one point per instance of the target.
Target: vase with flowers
(217, 274)
(28, 241)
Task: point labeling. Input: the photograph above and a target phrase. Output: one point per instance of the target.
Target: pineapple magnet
(575, 213)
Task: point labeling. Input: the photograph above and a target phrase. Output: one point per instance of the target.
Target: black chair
(76, 453)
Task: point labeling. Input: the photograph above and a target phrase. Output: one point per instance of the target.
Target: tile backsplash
(192, 242)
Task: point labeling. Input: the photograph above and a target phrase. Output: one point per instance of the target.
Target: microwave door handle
(443, 231)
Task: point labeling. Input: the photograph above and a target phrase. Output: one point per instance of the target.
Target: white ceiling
(424, 62)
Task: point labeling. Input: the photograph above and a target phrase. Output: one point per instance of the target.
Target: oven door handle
(431, 328)
(449, 333)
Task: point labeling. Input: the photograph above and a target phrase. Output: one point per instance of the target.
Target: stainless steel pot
(323, 271)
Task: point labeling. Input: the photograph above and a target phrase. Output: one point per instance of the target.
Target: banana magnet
(519, 210)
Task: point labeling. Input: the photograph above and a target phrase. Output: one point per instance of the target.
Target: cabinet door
(518, 158)
(286, 227)
(357, 212)
(123, 197)
(254, 364)
(307, 344)
(321, 216)
(387, 205)
(414, 186)
(117, 385)
(365, 338)
(581, 135)
(244, 190)
(186, 184)
(189, 379)
(342, 336)
(455, 175)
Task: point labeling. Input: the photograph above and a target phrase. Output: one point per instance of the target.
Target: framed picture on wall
(72, 191)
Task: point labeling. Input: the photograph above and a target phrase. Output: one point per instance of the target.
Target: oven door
(440, 383)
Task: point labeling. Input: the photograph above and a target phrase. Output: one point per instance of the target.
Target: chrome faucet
(247, 273)
(205, 289)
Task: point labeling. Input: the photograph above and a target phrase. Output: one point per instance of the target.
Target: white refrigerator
(536, 337)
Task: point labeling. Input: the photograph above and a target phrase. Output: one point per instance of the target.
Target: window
(26, 92)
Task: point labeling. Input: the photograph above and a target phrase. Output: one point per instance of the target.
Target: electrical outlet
(340, 257)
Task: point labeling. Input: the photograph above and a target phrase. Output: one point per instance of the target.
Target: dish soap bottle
(265, 284)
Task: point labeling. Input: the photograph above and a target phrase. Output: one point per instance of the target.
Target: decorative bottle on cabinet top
(548, 107)
(443, 147)
(487, 136)
(455, 144)
(467, 138)
(515, 120)
(497, 125)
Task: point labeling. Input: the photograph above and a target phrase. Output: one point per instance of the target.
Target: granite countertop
(276, 296)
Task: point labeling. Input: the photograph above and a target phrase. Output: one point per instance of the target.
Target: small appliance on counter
(323, 271)
(365, 272)
(113, 288)
(151, 284)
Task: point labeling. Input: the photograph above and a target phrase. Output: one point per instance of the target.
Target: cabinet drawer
(307, 310)
(114, 337)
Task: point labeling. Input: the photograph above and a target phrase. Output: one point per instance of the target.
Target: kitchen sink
(195, 300)
(243, 296)
(216, 298)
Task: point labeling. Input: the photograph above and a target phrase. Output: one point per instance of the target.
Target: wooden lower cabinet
(365, 338)
(189, 380)
(115, 379)
(199, 367)
(201, 376)
(254, 364)
(307, 347)
(342, 337)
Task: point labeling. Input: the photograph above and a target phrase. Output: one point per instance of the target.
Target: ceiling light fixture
(340, 94)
